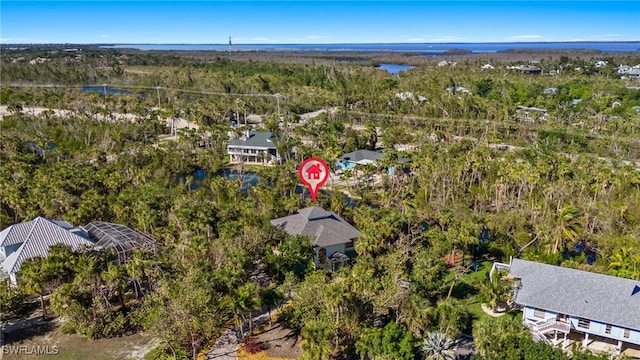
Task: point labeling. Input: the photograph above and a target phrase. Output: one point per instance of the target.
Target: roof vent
(636, 290)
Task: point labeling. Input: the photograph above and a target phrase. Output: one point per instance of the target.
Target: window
(322, 256)
(627, 333)
(538, 313)
(350, 244)
(607, 329)
(583, 323)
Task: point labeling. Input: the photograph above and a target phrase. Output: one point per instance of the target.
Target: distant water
(433, 48)
(394, 69)
(101, 89)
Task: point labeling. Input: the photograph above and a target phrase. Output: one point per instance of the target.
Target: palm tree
(271, 296)
(452, 316)
(245, 302)
(30, 276)
(115, 278)
(568, 226)
(136, 269)
(494, 291)
(437, 346)
(494, 337)
(364, 344)
(316, 340)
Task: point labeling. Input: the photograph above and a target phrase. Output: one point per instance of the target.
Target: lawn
(467, 284)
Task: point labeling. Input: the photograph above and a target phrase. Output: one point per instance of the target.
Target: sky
(316, 22)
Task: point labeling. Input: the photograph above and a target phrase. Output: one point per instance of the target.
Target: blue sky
(297, 22)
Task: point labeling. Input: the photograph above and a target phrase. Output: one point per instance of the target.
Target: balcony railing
(545, 326)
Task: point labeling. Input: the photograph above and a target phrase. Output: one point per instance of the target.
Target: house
(408, 95)
(551, 90)
(487, 67)
(531, 114)
(458, 89)
(253, 147)
(33, 238)
(30, 239)
(601, 64)
(561, 304)
(631, 74)
(313, 172)
(364, 157)
(333, 237)
(526, 69)
(405, 95)
(623, 69)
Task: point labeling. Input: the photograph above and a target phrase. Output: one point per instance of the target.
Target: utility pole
(277, 95)
(158, 91)
(229, 49)
(104, 87)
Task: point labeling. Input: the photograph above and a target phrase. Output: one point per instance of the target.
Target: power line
(157, 88)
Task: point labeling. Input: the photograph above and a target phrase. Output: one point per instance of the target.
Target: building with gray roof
(31, 239)
(364, 157)
(333, 237)
(253, 147)
(558, 300)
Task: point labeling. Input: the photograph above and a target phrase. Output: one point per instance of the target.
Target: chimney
(248, 134)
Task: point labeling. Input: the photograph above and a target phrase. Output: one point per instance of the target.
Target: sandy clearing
(179, 123)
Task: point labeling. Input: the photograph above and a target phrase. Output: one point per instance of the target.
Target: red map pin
(313, 173)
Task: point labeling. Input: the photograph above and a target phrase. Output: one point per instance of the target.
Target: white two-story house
(253, 147)
(560, 303)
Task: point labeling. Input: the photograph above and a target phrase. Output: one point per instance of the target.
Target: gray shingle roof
(593, 296)
(326, 228)
(262, 140)
(363, 155)
(36, 236)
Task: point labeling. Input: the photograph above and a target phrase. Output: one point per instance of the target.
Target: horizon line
(332, 43)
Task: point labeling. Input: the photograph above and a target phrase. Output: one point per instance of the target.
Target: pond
(394, 69)
(33, 146)
(199, 176)
(250, 178)
(103, 89)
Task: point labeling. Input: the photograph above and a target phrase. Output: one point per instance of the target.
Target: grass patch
(476, 310)
(467, 285)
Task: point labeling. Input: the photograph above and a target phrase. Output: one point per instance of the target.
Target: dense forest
(486, 179)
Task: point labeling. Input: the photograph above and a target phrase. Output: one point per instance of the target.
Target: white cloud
(104, 35)
(317, 37)
(525, 37)
(24, 41)
(608, 36)
(447, 39)
(417, 40)
(261, 39)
